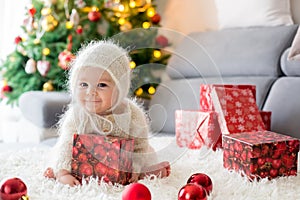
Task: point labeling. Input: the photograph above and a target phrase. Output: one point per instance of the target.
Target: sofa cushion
(184, 94)
(43, 108)
(246, 13)
(283, 101)
(289, 67)
(232, 52)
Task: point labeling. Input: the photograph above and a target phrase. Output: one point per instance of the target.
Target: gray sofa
(234, 56)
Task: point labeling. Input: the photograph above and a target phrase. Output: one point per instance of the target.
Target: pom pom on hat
(107, 55)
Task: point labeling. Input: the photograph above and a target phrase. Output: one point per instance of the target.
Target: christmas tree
(55, 29)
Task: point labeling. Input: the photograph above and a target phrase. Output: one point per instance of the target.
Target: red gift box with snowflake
(206, 103)
(106, 157)
(266, 117)
(195, 129)
(262, 154)
(237, 110)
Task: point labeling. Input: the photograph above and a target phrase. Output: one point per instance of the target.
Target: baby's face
(96, 90)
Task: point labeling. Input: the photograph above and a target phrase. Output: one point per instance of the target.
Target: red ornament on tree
(162, 41)
(203, 180)
(156, 18)
(64, 58)
(94, 16)
(31, 11)
(79, 30)
(7, 88)
(192, 191)
(136, 191)
(13, 189)
(18, 39)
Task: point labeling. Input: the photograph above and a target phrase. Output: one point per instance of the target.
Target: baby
(99, 83)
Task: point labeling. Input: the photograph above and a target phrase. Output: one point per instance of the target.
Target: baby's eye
(83, 84)
(101, 85)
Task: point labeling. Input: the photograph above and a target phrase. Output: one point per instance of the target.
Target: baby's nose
(92, 90)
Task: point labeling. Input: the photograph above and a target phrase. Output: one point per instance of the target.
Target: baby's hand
(64, 177)
(49, 173)
(68, 179)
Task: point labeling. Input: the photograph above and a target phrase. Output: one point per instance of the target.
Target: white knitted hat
(108, 56)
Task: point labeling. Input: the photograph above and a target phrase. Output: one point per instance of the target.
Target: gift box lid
(260, 137)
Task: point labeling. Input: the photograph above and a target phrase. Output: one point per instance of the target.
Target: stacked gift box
(197, 128)
(229, 118)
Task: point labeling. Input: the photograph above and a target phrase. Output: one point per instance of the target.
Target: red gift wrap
(106, 157)
(187, 123)
(195, 129)
(266, 117)
(206, 103)
(263, 154)
(237, 110)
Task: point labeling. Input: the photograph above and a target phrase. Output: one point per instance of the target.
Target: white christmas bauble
(30, 66)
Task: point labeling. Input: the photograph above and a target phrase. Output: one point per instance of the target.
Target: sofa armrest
(289, 67)
(43, 109)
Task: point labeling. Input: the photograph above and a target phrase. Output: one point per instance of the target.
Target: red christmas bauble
(156, 18)
(192, 191)
(94, 16)
(136, 191)
(18, 39)
(7, 88)
(32, 11)
(203, 180)
(162, 41)
(13, 189)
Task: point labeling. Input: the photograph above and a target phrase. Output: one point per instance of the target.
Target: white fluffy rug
(28, 165)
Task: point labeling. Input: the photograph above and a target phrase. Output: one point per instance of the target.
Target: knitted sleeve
(62, 152)
(144, 154)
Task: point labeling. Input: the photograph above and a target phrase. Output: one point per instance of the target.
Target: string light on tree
(151, 90)
(132, 64)
(156, 53)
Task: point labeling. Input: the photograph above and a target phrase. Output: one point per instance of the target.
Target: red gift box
(106, 157)
(186, 128)
(206, 103)
(195, 129)
(266, 117)
(237, 110)
(261, 154)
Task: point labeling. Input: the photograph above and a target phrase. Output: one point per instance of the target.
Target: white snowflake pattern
(251, 100)
(241, 128)
(238, 104)
(238, 111)
(252, 109)
(233, 119)
(235, 93)
(251, 117)
(228, 97)
(241, 120)
(211, 127)
(245, 92)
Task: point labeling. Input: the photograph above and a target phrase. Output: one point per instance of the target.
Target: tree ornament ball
(192, 191)
(94, 16)
(47, 87)
(136, 191)
(7, 88)
(203, 180)
(162, 41)
(156, 18)
(13, 189)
